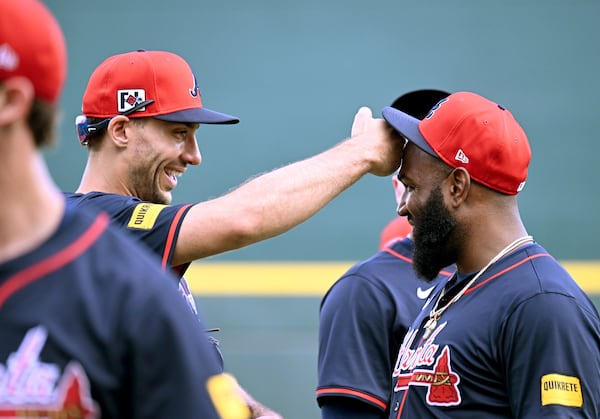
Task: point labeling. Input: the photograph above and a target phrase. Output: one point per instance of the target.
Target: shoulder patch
(561, 389)
(144, 216)
(223, 390)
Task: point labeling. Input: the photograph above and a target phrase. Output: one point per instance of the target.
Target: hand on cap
(384, 144)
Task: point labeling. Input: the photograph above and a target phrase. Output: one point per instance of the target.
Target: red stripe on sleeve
(336, 391)
(171, 235)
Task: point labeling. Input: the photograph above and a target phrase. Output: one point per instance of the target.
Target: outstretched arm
(275, 202)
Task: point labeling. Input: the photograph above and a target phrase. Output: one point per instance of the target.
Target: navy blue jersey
(155, 225)
(363, 319)
(522, 342)
(88, 329)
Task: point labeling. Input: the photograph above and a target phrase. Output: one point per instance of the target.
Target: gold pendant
(429, 326)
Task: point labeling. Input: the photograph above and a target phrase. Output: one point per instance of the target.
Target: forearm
(274, 202)
(279, 200)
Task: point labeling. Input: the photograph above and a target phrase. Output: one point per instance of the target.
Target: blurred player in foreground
(510, 335)
(366, 313)
(141, 111)
(88, 328)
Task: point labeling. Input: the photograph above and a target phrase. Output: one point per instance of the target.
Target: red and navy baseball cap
(142, 83)
(470, 131)
(32, 45)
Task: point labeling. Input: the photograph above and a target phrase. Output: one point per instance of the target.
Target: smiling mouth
(173, 176)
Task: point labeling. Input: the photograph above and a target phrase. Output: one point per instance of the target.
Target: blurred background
(295, 73)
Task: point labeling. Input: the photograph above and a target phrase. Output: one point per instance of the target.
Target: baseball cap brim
(199, 116)
(408, 126)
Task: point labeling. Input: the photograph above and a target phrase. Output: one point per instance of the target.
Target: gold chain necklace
(435, 314)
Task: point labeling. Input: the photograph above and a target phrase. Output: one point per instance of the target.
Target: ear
(459, 185)
(16, 99)
(117, 131)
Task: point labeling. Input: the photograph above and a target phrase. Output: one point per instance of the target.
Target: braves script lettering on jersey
(358, 343)
(88, 326)
(522, 332)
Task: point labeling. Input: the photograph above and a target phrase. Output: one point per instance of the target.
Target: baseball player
(511, 334)
(88, 328)
(366, 313)
(141, 111)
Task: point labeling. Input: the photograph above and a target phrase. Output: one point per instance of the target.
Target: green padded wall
(296, 72)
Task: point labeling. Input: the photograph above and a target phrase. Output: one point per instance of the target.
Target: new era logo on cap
(470, 131)
(461, 156)
(8, 58)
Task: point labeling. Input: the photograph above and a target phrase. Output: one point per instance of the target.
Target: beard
(431, 236)
(144, 185)
(143, 174)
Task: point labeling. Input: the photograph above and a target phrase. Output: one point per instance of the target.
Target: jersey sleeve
(356, 320)
(345, 408)
(156, 225)
(549, 350)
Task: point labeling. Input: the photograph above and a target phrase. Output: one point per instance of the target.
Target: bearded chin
(431, 236)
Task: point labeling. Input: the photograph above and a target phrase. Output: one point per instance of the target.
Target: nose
(401, 209)
(191, 153)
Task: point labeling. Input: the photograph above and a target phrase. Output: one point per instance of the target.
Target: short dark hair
(42, 122)
(92, 137)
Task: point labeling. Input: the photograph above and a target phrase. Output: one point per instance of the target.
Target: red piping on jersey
(409, 260)
(171, 235)
(401, 408)
(338, 390)
(398, 255)
(55, 261)
(539, 255)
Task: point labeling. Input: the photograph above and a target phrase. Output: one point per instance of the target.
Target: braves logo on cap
(195, 91)
(127, 99)
(436, 107)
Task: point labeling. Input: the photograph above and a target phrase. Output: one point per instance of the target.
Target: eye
(181, 134)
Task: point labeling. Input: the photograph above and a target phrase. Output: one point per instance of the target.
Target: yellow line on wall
(311, 279)
(264, 278)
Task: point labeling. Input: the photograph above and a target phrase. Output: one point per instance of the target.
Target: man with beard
(366, 313)
(510, 334)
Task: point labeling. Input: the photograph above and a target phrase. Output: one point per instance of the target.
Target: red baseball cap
(162, 80)
(32, 45)
(470, 131)
(395, 230)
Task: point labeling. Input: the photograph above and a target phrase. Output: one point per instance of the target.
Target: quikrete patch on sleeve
(226, 398)
(145, 215)
(561, 389)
